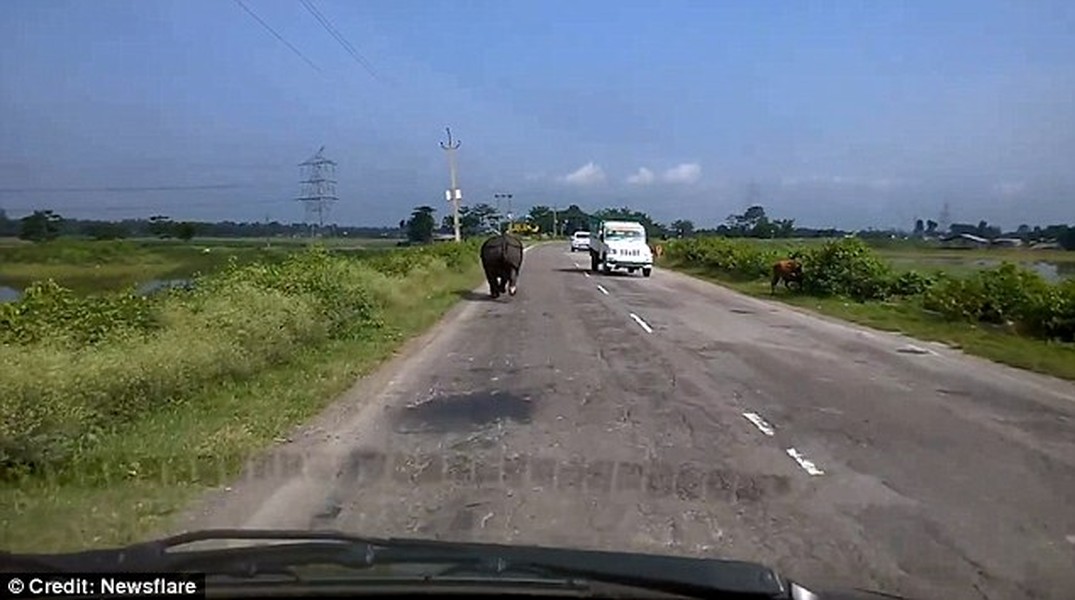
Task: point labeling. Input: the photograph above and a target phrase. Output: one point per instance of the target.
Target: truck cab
(620, 245)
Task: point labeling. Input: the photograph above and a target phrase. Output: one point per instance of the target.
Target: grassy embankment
(111, 425)
(1004, 314)
(88, 267)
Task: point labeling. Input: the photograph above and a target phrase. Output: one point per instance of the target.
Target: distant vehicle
(620, 245)
(580, 241)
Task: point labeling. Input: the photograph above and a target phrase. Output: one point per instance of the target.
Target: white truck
(620, 245)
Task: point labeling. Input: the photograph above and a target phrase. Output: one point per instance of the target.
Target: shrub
(910, 283)
(849, 268)
(846, 267)
(1008, 294)
(71, 368)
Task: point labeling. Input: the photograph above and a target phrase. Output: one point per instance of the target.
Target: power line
(158, 188)
(147, 207)
(278, 36)
(327, 26)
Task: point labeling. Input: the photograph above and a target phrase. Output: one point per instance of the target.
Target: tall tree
(185, 231)
(753, 222)
(784, 228)
(41, 226)
(574, 219)
(161, 226)
(421, 224)
(682, 228)
(542, 217)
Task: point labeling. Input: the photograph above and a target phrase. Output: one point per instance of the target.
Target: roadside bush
(846, 267)
(49, 312)
(910, 283)
(738, 258)
(1007, 294)
(73, 368)
(849, 268)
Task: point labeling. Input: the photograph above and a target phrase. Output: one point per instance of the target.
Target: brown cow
(658, 251)
(790, 270)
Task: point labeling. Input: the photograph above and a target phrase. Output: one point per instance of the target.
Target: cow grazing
(789, 270)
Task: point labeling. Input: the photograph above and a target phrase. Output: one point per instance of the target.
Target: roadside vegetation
(107, 400)
(1006, 313)
(87, 266)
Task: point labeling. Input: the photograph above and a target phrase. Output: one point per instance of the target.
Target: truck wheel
(646, 271)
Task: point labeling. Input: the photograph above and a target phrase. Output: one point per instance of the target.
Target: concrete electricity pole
(454, 195)
(500, 197)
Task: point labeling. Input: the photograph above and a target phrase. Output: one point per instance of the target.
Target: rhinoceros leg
(513, 281)
(494, 285)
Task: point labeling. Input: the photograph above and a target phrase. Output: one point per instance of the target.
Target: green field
(1051, 264)
(94, 266)
(906, 255)
(98, 452)
(987, 302)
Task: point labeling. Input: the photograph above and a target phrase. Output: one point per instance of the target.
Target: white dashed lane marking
(642, 323)
(602, 288)
(807, 465)
(760, 423)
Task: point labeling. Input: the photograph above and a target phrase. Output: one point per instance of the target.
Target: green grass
(966, 262)
(86, 266)
(79, 508)
(1051, 358)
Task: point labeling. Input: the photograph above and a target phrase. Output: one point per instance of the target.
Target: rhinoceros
(502, 257)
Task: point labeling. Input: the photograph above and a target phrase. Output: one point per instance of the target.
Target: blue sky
(847, 114)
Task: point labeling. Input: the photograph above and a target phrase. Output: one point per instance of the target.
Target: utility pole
(499, 221)
(454, 195)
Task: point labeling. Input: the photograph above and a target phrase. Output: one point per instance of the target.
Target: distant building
(1045, 246)
(964, 240)
(1008, 242)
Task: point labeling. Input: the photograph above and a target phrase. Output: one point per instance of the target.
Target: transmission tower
(318, 188)
(945, 219)
(753, 197)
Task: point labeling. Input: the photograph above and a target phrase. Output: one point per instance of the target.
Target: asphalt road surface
(674, 416)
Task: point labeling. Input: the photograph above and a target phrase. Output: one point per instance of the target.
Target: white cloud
(587, 174)
(684, 173)
(643, 177)
(1009, 188)
(876, 183)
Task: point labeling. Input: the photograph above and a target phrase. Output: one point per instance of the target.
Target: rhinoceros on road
(502, 257)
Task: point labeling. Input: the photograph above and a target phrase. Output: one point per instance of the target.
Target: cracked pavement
(566, 416)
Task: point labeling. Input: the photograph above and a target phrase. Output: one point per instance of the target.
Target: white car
(580, 241)
(620, 245)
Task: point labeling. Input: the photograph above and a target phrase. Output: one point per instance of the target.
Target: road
(675, 416)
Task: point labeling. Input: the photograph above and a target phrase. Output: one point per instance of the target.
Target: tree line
(754, 222)
(45, 225)
(482, 219)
